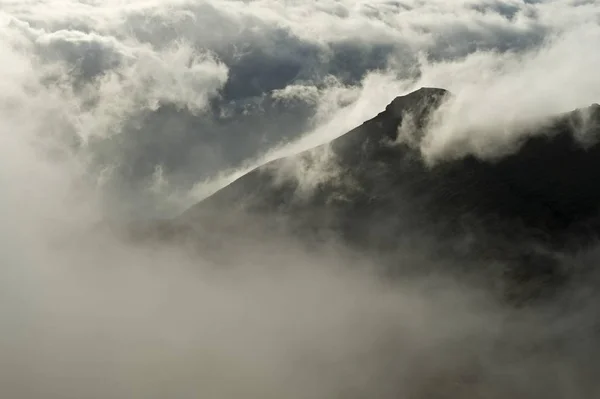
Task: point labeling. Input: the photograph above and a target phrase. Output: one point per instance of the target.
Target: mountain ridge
(558, 140)
(529, 209)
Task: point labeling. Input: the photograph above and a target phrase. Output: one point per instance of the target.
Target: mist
(114, 112)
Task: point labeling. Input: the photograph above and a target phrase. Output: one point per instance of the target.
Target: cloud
(492, 108)
(148, 68)
(135, 109)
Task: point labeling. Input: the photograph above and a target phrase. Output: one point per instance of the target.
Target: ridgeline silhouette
(521, 215)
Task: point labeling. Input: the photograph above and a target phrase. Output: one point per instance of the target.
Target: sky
(128, 109)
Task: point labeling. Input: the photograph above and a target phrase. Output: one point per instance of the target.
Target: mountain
(525, 212)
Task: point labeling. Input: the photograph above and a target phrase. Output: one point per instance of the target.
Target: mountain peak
(372, 193)
(419, 101)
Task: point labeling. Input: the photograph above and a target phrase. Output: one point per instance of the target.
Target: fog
(113, 111)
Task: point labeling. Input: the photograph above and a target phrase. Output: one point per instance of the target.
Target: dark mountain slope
(526, 209)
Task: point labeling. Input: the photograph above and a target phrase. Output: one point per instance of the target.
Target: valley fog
(91, 316)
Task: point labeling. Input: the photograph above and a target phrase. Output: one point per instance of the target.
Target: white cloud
(498, 96)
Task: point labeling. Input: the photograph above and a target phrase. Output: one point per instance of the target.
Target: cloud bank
(135, 109)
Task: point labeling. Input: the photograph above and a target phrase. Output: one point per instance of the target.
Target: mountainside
(527, 209)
